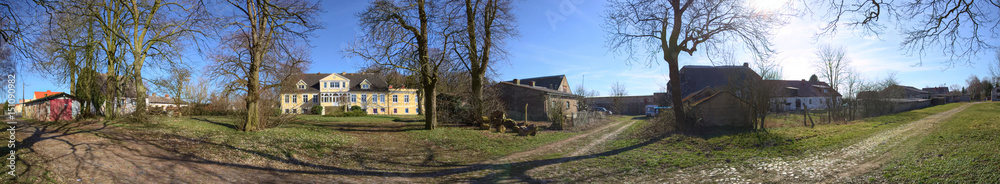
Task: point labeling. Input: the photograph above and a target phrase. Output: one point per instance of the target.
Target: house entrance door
(798, 104)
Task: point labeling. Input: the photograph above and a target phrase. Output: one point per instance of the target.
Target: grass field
(679, 151)
(964, 149)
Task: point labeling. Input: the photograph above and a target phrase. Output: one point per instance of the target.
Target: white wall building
(801, 94)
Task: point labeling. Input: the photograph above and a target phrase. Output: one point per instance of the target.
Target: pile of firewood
(501, 124)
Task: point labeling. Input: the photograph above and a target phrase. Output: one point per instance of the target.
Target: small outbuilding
(719, 109)
(57, 107)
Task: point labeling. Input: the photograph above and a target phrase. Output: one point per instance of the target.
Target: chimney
(390, 86)
(154, 94)
(803, 80)
(343, 73)
(516, 81)
(166, 95)
(48, 91)
(746, 65)
(532, 83)
(404, 86)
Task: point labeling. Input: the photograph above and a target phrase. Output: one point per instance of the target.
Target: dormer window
(365, 86)
(302, 86)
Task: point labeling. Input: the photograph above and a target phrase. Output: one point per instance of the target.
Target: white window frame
(395, 98)
(406, 98)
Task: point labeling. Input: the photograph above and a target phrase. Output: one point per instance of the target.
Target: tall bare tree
(666, 28)
(995, 66)
(154, 35)
(852, 81)
(401, 33)
(832, 64)
(618, 92)
(956, 28)
(488, 24)
(199, 91)
(261, 48)
(174, 83)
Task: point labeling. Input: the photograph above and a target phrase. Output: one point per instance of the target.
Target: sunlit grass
(962, 150)
(678, 151)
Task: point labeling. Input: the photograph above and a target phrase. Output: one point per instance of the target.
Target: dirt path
(825, 167)
(563, 145)
(603, 139)
(77, 154)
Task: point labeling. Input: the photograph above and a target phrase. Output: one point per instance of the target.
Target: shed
(720, 109)
(55, 107)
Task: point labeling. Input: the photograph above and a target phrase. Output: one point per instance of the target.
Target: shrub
(357, 113)
(316, 109)
(356, 108)
(353, 113)
(557, 116)
(333, 111)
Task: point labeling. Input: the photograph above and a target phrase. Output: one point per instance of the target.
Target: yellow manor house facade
(332, 90)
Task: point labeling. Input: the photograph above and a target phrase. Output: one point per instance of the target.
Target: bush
(557, 116)
(334, 110)
(453, 109)
(353, 113)
(316, 109)
(356, 108)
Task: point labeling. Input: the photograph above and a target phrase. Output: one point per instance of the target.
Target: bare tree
(582, 103)
(400, 34)
(618, 92)
(833, 65)
(995, 66)
(488, 25)
(852, 81)
(199, 92)
(957, 28)
(768, 68)
(154, 34)
(261, 50)
(976, 88)
(174, 83)
(670, 27)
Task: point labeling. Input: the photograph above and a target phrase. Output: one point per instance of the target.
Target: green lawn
(219, 136)
(682, 151)
(963, 149)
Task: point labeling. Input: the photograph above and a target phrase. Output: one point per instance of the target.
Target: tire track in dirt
(828, 166)
(556, 146)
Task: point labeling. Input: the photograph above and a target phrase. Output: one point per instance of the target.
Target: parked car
(653, 110)
(602, 109)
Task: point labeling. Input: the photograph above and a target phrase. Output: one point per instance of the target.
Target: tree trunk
(477, 97)
(257, 48)
(253, 84)
(140, 95)
(430, 121)
(675, 91)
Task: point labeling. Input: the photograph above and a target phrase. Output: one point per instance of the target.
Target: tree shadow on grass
(368, 127)
(227, 125)
(520, 173)
(517, 170)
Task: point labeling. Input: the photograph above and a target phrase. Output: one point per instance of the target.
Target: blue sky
(564, 37)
